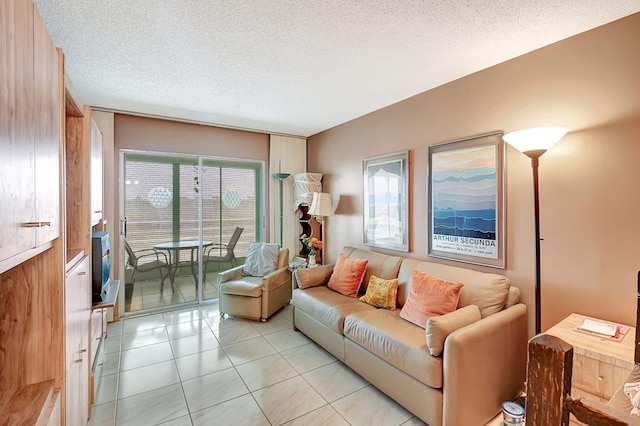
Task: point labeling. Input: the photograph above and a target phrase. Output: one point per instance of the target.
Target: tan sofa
(482, 364)
(255, 298)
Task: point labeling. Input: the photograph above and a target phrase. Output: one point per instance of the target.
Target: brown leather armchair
(255, 298)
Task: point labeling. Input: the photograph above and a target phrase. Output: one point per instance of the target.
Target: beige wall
(150, 134)
(589, 201)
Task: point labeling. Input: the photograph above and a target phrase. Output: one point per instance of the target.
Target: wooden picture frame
(386, 201)
(466, 211)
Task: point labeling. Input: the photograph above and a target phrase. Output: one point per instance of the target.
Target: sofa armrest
(230, 275)
(484, 365)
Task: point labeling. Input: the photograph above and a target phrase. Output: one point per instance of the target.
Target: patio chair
(148, 260)
(228, 256)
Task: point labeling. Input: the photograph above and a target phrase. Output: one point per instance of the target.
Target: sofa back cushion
(486, 290)
(380, 265)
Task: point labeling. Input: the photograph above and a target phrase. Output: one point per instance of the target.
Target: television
(101, 265)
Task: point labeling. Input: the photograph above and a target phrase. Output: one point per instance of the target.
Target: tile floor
(190, 367)
(147, 294)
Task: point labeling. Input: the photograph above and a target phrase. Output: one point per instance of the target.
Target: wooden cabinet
(97, 332)
(16, 133)
(29, 135)
(77, 311)
(48, 144)
(96, 174)
(600, 365)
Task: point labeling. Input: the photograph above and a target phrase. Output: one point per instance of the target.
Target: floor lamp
(533, 143)
(321, 207)
(281, 177)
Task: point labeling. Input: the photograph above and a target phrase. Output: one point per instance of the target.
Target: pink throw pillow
(347, 275)
(429, 296)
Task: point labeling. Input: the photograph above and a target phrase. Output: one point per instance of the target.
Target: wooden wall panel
(78, 179)
(31, 321)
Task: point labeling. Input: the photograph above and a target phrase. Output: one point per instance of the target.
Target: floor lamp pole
(536, 208)
(281, 177)
(281, 213)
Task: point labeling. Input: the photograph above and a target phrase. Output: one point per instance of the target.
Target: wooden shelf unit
(34, 404)
(32, 317)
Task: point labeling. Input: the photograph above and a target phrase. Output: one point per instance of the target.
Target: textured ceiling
(290, 66)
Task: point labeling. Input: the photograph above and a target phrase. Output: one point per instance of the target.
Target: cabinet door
(16, 127)
(96, 174)
(77, 311)
(46, 84)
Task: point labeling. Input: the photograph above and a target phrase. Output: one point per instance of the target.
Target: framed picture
(466, 200)
(386, 201)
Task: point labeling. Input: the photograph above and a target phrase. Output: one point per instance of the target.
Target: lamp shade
(535, 139)
(321, 205)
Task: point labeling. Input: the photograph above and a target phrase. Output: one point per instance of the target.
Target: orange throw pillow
(347, 275)
(429, 296)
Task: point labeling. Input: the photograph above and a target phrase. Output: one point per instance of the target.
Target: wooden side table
(600, 365)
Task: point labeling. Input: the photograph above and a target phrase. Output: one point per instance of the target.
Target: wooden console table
(600, 365)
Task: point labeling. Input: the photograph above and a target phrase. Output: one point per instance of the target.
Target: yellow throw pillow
(381, 293)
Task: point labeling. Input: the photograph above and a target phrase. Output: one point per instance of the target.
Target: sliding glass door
(231, 212)
(181, 213)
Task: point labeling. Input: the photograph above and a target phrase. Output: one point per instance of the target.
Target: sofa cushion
(347, 275)
(327, 306)
(486, 290)
(513, 297)
(380, 265)
(262, 259)
(381, 293)
(429, 296)
(313, 277)
(438, 328)
(245, 286)
(396, 341)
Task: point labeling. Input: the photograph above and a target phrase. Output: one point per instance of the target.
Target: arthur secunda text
(464, 245)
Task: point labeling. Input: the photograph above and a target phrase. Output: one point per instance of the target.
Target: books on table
(601, 328)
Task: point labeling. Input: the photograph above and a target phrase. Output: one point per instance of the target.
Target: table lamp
(321, 207)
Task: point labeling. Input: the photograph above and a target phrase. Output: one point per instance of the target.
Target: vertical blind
(161, 200)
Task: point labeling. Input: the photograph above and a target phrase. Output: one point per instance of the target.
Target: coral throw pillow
(347, 275)
(429, 296)
(381, 293)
